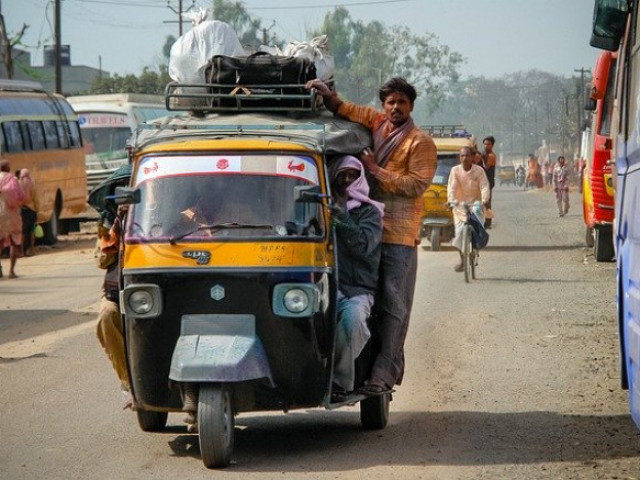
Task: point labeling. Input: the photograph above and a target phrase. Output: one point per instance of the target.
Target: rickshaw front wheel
(374, 412)
(151, 421)
(215, 425)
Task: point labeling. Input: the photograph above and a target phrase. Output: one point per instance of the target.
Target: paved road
(513, 376)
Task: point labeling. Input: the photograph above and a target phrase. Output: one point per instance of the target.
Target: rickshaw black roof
(320, 131)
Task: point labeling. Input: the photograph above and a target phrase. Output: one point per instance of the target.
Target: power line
(332, 5)
(126, 3)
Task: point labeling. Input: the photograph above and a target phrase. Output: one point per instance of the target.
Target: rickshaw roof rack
(446, 131)
(215, 97)
(320, 131)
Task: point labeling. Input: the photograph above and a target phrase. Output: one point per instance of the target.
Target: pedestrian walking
(561, 186)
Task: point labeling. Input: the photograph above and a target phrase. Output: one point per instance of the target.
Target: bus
(615, 29)
(40, 132)
(106, 123)
(597, 181)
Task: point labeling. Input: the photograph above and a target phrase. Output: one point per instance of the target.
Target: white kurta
(468, 187)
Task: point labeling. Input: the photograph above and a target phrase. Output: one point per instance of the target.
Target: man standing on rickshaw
(400, 170)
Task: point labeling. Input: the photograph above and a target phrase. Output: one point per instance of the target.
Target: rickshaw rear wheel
(374, 412)
(151, 421)
(435, 239)
(215, 425)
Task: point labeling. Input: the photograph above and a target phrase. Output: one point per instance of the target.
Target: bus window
(63, 135)
(12, 137)
(36, 134)
(51, 134)
(74, 132)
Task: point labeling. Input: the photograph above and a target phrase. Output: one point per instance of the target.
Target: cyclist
(468, 183)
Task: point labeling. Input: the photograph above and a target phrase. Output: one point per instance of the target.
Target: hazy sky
(495, 36)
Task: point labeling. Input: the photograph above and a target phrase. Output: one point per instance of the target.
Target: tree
(8, 44)
(246, 27)
(367, 54)
(166, 49)
(149, 81)
(520, 110)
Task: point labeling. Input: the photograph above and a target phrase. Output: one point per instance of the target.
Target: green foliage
(520, 110)
(248, 29)
(166, 49)
(368, 54)
(149, 81)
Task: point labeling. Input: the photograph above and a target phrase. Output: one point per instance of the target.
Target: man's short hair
(468, 149)
(397, 85)
(490, 139)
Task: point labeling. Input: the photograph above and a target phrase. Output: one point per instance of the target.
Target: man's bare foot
(12, 275)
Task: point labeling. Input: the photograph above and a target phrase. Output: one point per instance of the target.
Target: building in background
(76, 79)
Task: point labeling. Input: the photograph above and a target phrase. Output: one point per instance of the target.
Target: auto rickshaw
(229, 275)
(437, 218)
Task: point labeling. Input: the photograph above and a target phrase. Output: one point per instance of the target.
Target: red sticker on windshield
(296, 168)
(222, 164)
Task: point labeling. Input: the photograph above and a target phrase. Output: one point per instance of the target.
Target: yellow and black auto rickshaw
(229, 275)
(437, 219)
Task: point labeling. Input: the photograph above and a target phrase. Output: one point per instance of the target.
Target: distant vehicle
(597, 179)
(40, 132)
(507, 174)
(106, 122)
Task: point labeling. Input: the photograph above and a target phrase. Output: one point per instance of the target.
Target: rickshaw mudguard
(436, 222)
(231, 353)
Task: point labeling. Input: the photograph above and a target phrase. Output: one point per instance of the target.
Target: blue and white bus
(616, 28)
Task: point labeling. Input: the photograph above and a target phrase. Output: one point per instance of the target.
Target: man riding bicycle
(468, 183)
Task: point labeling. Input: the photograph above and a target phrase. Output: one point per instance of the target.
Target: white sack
(316, 50)
(191, 52)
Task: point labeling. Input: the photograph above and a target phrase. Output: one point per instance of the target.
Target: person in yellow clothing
(110, 329)
(399, 170)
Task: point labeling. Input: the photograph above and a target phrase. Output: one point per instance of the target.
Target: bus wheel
(603, 247)
(52, 229)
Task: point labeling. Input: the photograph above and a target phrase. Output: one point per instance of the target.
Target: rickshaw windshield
(443, 168)
(215, 197)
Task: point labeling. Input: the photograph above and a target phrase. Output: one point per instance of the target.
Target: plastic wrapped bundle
(191, 53)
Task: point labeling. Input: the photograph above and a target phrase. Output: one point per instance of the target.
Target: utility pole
(265, 31)
(56, 48)
(179, 11)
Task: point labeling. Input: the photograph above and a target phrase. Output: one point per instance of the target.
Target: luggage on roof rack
(215, 97)
(446, 131)
(257, 82)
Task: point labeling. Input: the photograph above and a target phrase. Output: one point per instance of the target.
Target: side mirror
(590, 105)
(308, 194)
(126, 196)
(609, 19)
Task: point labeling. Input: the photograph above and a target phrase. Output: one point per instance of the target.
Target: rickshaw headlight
(296, 300)
(142, 300)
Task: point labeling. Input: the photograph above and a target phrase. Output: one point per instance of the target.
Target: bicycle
(474, 237)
